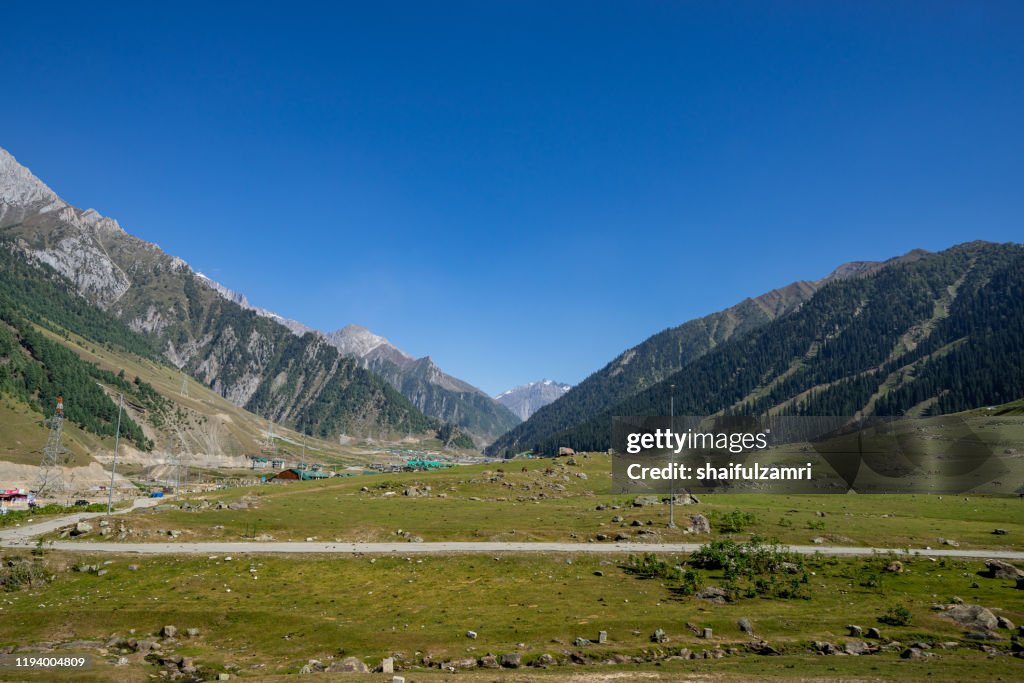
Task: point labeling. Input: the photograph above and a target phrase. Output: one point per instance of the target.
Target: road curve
(19, 535)
(444, 548)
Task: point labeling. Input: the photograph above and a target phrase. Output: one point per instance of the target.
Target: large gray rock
(971, 617)
(545, 660)
(997, 569)
(699, 524)
(511, 660)
(349, 665)
(643, 501)
(81, 528)
(855, 647)
(714, 594)
(682, 498)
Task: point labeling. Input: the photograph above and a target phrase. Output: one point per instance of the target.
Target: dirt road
(24, 536)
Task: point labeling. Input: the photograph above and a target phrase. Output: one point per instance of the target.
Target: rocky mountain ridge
(526, 399)
(247, 356)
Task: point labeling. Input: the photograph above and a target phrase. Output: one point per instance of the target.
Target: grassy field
(549, 502)
(266, 615)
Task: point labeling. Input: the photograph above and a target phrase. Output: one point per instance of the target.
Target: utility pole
(113, 466)
(672, 479)
(302, 466)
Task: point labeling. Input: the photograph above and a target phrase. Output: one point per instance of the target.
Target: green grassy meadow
(549, 502)
(263, 615)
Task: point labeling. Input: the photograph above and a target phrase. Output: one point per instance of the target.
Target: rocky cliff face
(250, 356)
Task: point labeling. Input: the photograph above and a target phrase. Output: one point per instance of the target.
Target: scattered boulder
(699, 524)
(581, 642)
(489, 662)
(874, 633)
(894, 567)
(971, 617)
(714, 594)
(146, 646)
(1003, 622)
(511, 660)
(824, 647)
(999, 532)
(682, 498)
(855, 631)
(545, 660)
(457, 664)
(659, 636)
(81, 528)
(915, 653)
(471, 635)
(617, 519)
(192, 632)
(997, 569)
(643, 501)
(855, 647)
(169, 631)
(763, 648)
(349, 665)
(564, 450)
(745, 625)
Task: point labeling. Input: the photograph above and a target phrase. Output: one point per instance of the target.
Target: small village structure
(295, 474)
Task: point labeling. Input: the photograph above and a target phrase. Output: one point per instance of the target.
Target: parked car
(157, 494)
(81, 502)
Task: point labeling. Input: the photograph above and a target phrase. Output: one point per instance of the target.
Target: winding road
(24, 536)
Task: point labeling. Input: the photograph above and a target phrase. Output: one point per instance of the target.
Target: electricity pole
(113, 466)
(672, 479)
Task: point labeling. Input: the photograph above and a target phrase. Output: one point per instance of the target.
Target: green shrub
(757, 568)
(896, 615)
(735, 522)
(17, 573)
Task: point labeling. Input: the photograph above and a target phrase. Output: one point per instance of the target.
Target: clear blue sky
(518, 189)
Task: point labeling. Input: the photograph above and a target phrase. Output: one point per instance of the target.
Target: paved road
(24, 536)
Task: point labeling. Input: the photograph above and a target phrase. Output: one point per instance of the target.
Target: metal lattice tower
(180, 467)
(269, 446)
(51, 469)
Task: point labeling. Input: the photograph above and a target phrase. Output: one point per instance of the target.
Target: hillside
(253, 361)
(941, 333)
(167, 415)
(665, 353)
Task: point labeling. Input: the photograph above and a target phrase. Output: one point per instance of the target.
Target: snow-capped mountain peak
(527, 399)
